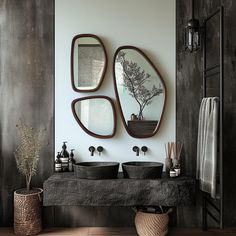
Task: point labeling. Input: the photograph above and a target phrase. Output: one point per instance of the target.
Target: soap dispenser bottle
(57, 163)
(71, 160)
(64, 158)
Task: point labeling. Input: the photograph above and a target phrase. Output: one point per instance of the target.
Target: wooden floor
(100, 231)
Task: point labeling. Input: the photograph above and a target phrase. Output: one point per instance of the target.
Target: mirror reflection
(95, 115)
(88, 62)
(140, 90)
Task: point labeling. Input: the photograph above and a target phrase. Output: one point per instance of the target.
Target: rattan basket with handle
(150, 224)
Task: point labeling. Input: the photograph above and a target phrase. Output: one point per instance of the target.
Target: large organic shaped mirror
(140, 90)
(96, 115)
(88, 62)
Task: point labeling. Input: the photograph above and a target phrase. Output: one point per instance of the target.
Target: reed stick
(173, 150)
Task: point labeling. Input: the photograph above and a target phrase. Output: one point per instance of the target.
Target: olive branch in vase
(134, 79)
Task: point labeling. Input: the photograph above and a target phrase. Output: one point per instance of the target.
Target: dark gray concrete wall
(26, 90)
(189, 94)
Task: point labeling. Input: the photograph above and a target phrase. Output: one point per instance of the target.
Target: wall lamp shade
(192, 33)
(192, 36)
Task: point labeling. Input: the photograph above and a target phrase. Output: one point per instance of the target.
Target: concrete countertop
(67, 190)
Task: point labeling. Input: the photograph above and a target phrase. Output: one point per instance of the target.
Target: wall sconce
(192, 33)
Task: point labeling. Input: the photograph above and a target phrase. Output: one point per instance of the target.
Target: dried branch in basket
(27, 153)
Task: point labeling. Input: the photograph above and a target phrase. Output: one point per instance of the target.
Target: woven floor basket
(148, 224)
(27, 213)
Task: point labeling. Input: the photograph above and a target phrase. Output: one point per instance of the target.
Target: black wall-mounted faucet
(144, 149)
(91, 149)
(136, 149)
(100, 149)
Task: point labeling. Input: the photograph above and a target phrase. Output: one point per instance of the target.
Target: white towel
(207, 145)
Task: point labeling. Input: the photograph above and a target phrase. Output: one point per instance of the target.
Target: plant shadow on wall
(134, 79)
(28, 201)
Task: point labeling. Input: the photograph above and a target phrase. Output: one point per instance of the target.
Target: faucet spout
(100, 149)
(92, 149)
(136, 149)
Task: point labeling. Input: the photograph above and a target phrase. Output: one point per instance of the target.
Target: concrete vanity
(65, 189)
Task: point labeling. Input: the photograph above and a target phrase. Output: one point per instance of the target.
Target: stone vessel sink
(96, 170)
(142, 170)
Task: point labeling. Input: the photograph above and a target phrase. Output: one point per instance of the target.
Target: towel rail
(213, 74)
(206, 199)
(212, 67)
(213, 14)
(212, 216)
(213, 205)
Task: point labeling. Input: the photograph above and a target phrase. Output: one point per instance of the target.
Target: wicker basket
(27, 212)
(150, 224)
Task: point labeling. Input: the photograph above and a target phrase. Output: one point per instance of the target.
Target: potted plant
(28, 201)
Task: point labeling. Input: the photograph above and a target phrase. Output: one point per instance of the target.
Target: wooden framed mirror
(88, 62)
(140, 91)
(96, 115)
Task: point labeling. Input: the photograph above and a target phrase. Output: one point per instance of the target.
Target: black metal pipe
(221, 116)
(204, 216)
(204, 59)
(192, 9)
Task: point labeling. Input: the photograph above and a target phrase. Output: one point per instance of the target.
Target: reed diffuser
(177, 149)
(168, 160)
(173, 153)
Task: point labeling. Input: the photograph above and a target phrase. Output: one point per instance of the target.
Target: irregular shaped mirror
(96, 115)
(88, 62)
(140, 91)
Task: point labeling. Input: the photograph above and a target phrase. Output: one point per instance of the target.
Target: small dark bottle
(57, 163)
(64, 158)
(64, 153)
(71, 160)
